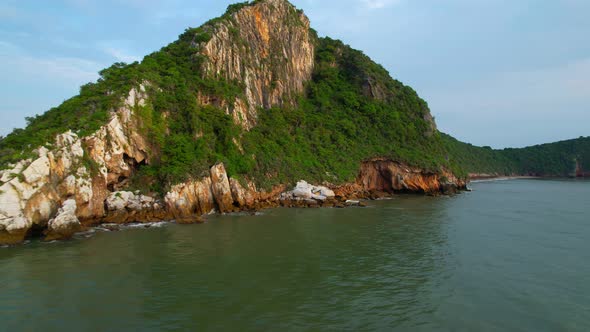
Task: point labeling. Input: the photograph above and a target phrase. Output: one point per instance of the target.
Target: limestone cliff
(78, 170)
(268, 49)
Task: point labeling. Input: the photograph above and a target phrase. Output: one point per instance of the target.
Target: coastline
(500, 178)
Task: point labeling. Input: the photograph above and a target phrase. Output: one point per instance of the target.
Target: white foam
(145, 225)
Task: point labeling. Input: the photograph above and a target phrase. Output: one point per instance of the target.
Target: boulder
(126, 207)
(65, 224)
(241, 196)
(302, 190)
(306, 191)
(118, 201)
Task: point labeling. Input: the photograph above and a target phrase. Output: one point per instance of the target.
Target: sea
(510, 255)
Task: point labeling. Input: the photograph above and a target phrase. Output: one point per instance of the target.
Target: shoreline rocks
(306, 191)
(65, 224)
(188, 202)
(126, 207)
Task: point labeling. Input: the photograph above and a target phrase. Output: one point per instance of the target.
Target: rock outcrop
(187, 202)
(221, 189)
(65, 224)
(127, 207)
(60, 178)
(84, 169)
(383, 175)
(268, 48)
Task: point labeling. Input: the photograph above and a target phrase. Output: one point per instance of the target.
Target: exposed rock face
(267, 47)
(30, 195)
(221, 189)
(126, 207)
(65, 224)
(187, 202)
(191, 199)
(33, 197)
(243, 197)
(388, 176)
(33, 190)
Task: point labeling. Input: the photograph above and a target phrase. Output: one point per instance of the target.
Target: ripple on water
(487, 260)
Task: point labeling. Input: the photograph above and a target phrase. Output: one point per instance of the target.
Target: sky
(502, 73)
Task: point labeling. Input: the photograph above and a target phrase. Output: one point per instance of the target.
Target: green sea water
(509, 256)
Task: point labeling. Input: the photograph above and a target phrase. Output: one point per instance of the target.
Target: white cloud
(33, 83)
(15, 61)
(120, 55)
(72, 69)
(377, 4)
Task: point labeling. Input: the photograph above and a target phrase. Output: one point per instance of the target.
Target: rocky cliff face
(268, 49)
(79, 171)
(383, 175)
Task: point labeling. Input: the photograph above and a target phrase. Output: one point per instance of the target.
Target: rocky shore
(78, 182)
(60, 211)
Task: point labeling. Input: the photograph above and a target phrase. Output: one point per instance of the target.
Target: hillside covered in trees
(559, 159)
(349, 110)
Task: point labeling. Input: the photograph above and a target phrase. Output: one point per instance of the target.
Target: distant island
(230, 117)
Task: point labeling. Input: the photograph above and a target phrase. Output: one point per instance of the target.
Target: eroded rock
(32, 190)
(273, 68)
(221, 189)
(65, 224)
(387, 176)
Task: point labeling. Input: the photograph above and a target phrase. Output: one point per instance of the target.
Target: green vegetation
(334, 126)
(554, 159)
(337, 124)
(84, 114)
(175, 71)
(351, 110)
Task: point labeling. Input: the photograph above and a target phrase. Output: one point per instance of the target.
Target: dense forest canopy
(552, 159)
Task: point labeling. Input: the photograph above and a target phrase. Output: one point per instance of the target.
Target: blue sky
(494, 72)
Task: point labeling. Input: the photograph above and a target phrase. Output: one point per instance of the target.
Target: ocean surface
(509, 256)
